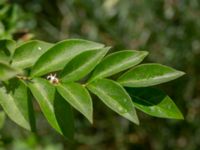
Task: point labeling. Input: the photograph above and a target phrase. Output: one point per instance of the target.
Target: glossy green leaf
(56, 110)
(82, 64)
(154, 102)
(115, 97)
(148, 75)
(60, 54)
(6, 72)
(2, 118)
(15, 102)
(117, 62)
(28, 53)
(78, 97)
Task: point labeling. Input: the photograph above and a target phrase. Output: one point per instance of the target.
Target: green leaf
(117, 62)
(7, 48)
(6, 72)
(78, 97)
(4, 58)
(148, 75)
(15, 102)
(2, 119)
(23, 100)
(115, 97)
(56, 110)
(60, 54)
(82, 64)
(4, 10)
(28, 53)
(64, 116)
(154, 102)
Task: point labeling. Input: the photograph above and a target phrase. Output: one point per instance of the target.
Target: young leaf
(117, 62)
(60, 54)
(6, 72)
(154, 102)
(82, 64)
(148, 75)
(17, 105)
(78, 97)
(28, 53)
(115, 97)
(56, 110)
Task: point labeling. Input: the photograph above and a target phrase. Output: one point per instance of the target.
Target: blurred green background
(168, 29)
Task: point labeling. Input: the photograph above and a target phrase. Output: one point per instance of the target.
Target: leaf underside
(154, 102)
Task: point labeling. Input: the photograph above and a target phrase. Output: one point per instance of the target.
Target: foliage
(168, 29)
(23, 72)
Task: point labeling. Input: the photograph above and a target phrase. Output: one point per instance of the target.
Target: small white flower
(53, 79)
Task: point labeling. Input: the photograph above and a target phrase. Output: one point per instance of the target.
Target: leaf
(16, 104)
(117, 62)
(148, 75)
(28, 53)
(6, 72)
(78, 97)
(2, 119)
(60, 54)
(154, 102)
(115, 97)
(23, 100)
(64, 116)
(4, 58)
(82, 64)
(56, 110)
(7, 48)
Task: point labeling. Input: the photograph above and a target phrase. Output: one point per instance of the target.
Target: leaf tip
(181, 73)
(89, 116)
(145, 53)
(180, 116)
(90, 120)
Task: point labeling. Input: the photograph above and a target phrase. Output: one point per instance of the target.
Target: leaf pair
(56, 110)
(149, 100)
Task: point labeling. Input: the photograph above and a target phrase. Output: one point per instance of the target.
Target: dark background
(168, 29)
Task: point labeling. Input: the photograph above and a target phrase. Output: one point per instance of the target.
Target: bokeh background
(168, 29)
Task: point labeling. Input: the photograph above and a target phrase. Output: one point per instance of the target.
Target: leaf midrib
(166, 76)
